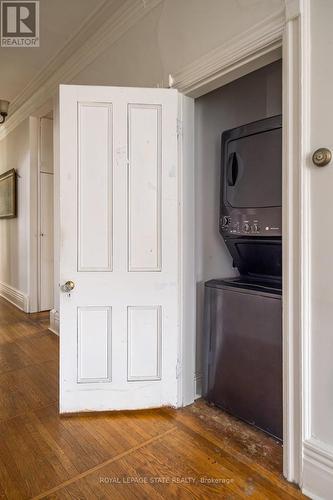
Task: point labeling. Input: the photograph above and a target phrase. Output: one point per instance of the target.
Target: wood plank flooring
(196, 452)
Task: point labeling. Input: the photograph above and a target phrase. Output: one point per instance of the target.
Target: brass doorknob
(68, 286)
(322, 157)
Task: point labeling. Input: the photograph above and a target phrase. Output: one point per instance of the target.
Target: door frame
(288, 30)
(34, 204)
(39, 212)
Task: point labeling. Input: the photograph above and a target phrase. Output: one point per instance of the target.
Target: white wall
(318, 365)
(253, 97)
(14, 248)
(321, 228)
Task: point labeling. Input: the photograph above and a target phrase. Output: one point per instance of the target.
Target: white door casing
(119, 244)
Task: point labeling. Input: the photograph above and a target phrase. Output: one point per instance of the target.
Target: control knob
(246, 227)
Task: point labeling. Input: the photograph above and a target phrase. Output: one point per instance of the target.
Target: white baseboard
(198, 385)
(317, 470)
(16, 297)
(54, 321)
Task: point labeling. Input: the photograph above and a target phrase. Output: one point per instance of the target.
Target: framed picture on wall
(8, 194)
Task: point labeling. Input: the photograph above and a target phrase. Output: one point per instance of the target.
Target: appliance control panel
(247, 224)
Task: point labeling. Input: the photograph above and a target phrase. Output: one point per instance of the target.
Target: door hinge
(179, 128)
(178, 369)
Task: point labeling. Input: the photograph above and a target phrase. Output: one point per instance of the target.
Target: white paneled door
(119, 325)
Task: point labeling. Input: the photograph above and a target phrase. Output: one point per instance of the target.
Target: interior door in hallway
(46, 223)
(119, 246)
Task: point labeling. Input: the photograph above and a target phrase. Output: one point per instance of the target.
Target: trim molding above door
(253, 49)
(256, 47)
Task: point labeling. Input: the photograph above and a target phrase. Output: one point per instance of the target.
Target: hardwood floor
(197, 452)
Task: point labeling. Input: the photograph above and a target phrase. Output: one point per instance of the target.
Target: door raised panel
(144, 187)
(95, 187)
(144, 342)
(94, 344)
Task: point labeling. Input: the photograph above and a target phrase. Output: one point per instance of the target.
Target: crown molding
(264, 38)
(95, 20)
(89, 42)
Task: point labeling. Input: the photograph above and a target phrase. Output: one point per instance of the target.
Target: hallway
(197, 452)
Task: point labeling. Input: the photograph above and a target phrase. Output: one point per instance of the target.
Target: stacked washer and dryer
(243, 315)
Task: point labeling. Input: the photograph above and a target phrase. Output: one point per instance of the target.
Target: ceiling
(60, 20)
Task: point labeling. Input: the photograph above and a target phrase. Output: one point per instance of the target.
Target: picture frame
(8, 192)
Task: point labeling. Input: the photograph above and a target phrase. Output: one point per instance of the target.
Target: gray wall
(255, 96)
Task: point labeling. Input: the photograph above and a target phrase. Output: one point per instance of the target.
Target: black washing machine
(243, 326)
